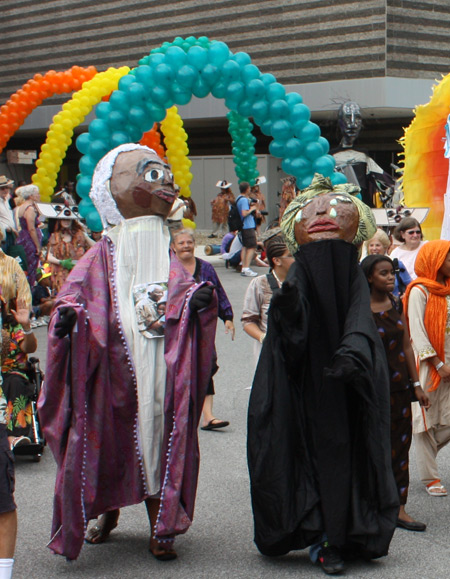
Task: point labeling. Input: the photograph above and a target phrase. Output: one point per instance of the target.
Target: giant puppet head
(322, 211)
(350, 123)
(132, 181)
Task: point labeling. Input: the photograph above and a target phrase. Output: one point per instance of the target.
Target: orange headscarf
(428, 262)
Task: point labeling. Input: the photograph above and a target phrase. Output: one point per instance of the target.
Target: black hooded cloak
(319, 450)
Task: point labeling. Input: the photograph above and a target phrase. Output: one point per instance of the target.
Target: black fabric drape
(318, 425)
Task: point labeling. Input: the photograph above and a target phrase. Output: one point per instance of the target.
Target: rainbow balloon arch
(148, 94)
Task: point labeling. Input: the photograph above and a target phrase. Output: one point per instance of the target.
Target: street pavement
(220, 541)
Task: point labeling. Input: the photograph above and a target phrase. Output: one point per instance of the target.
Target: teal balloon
(187, 75)
(97, 149)
(324, 165)
(135, 133)
(235, 91)
(300, 114)
(245, 108)
(268, 78)
(87, 165)
(231, 71)
(83, 142)
(275, 91)
(313, 150)
(161, 96)
(276, 148)
(324, 144)
(260, 110)
(298, 127)
(310, 132)
(175, 57)
(336, 179)
(85, 206)
(231, 104)
(138, 116)
(266, 128)
(117, 119)
(250, 72)
(282, 130)
(118, 138)
(197, 56)
(164, 75)
(293, 98)
(300, 167)
(126, 81)
(102, 110)
(293, 148)
(83, 186)
(144, 75)
(156, 112)
(218, 53)
(181, 95)
(119, 101)
(286, 165)
(137, 93)
(305, 181)
(219, 90)
(155, 59)
(242, 58)
(200, 89)
(93, 221)
(255, 89)
(210, 74)
(279, 109)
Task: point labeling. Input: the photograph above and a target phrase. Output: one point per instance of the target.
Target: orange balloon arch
(21, 104)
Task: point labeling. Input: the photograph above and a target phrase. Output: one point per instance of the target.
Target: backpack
(234, 217)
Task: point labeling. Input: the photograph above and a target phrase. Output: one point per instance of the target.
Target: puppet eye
(154, 175)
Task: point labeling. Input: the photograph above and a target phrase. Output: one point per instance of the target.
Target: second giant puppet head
(131, 181)
(322, 211)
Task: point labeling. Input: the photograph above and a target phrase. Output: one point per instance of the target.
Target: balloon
(164, 74)
(255, 89)
(231, 71)
(175, 57)
(275, 91)
(218, 53)
(242, 58)
(119, 101)
(338, 179)
(98, 129)
(282, 130)
(310, 132)
(300, 167)
(279, 109)
(300, 113)
(276, 148)
(324, 165)
(293, 148)
(136, 92)
(293, 98)
(324, 144)
(260, 111)
(235, 91)
(93, 221)
(87, 165)
(187, 75)
(250, 72)
(197, 56)
(82, 143)
(200, 89)
(210, 74)
(175, 138)
(313, 150)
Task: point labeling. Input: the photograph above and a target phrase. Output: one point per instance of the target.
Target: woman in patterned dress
(391, 324)
(30, 236)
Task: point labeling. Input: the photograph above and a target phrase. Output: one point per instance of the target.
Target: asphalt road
(220, 542)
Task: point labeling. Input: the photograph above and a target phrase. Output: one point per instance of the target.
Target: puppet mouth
(323, 225)
(142, 195)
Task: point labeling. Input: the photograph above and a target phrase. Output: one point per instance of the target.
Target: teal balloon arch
(175, 72)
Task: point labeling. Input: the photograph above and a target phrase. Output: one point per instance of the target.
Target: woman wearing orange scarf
(427, 306)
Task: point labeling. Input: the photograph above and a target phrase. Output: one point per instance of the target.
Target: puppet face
(327, 216)
(350, 121)
(142, 184)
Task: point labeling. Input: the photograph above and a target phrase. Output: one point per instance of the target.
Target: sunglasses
(414, 231)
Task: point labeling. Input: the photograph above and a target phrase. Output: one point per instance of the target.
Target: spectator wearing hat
(220, 208)
(67, 244)
(7, 222)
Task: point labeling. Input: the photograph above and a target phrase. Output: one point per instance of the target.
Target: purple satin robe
(89, 408)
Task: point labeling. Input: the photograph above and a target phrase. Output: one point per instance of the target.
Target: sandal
(160, 552)
(436, 489)
(102, 529)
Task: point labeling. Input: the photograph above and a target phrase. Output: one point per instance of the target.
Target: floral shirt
(13, 360)
(2, 396)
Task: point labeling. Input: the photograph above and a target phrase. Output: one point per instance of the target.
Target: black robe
(319, 450)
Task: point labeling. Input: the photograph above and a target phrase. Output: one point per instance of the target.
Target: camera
(253, 201)
(264, 212)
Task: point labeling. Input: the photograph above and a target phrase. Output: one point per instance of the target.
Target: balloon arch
(171, 75)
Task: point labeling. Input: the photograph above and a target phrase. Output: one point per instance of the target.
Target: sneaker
(20, 441)
(248, 273)
(331, 561)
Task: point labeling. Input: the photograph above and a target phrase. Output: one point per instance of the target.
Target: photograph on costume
(150, 305)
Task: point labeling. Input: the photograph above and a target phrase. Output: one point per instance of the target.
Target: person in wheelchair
(18, 340)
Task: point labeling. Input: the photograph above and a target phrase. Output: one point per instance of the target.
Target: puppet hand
(288, 296)
(67, 263)
(67, 320)
(201, 298)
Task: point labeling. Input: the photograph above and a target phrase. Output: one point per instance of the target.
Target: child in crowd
(42, 294)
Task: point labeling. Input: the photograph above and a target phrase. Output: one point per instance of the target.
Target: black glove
(67, 320)
(201, 298)
(286, 298)
(343, 368)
